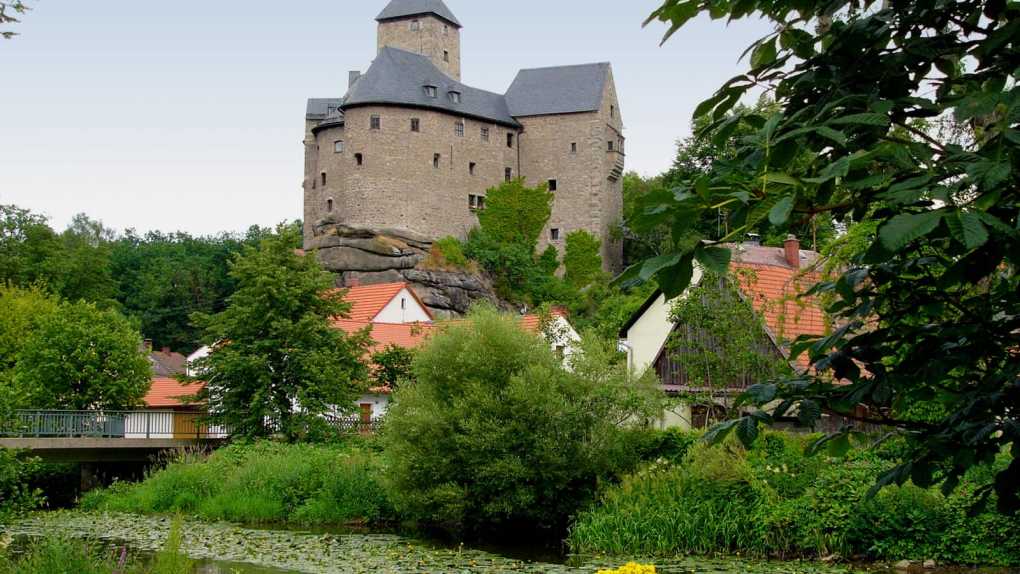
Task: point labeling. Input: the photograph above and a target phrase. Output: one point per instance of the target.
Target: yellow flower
(632, 568)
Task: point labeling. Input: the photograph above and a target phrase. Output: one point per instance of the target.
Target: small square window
(485, 134)
(481, 202)
(446, 55)
(612, 145)
(552, 185)
(471, 168)
(573, 147)
(431, 91)
(554, 234)
(359, 159)
(435, 160)
(415, 125)
(509, 174)
(323, 178)
(509, 140)
(473, 202)
(375, 122)
(338, 146)
(415, 25)
(458, 128)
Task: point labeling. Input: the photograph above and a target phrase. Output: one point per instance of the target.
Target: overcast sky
(187, 115)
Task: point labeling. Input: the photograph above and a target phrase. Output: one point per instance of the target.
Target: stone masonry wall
(433, 37)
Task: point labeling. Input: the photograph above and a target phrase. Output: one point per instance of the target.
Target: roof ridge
(603, 63)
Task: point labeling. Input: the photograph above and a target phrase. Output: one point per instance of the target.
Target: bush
(261, 483)
(16, 493)
(495, 433)
(57, 556)
(447, 253)
(772, 501)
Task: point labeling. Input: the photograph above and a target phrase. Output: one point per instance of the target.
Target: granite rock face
(360, 256)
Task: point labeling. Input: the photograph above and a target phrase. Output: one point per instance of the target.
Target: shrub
(582, 258)
(57, 556)
(447, 253)
(16, 493)
(495, 433)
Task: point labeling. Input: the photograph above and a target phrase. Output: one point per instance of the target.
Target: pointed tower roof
(405, 8)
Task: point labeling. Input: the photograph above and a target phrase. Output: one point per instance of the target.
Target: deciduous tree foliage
(582, 259)
(277, 360)
(9, 13)
(929, 312)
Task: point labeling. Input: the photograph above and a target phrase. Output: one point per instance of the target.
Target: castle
(411, 148)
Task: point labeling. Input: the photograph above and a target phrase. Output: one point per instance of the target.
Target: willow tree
(928, 312)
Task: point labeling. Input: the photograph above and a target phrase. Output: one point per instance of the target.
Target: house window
(415, 125)
(458, 128)
(435, 160)
(329, 205)
(375, 122)
(323, 178)
(446, 55)
(471, 168)
(552, 185)
(431, 91)
(403, 302)
(338, 146)
(554, 234)
(573, 147)
(455, 97)
(485, 134)
(612, 145)
(359, 159)
(509, 140)
(415, 25)
(509, 174)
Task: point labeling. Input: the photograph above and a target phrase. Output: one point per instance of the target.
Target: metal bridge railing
(109, 424)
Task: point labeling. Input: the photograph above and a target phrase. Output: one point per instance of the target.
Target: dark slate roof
(405, 8)
(398, 77)
(319, 108)
(558, 90)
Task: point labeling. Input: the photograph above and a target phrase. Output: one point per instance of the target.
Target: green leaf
(719, 432)
(782, 178)
(839, 445)
(865, 119)
(799, 42)
(747, 431)
(764, 54)
(896, 233)
(676, 279)
(709, 104)
(656, 264)
(834, 135)
(759, 394)
(715, 259)
(780, 212)
(989, 173)
(808, 412)
(967, 228)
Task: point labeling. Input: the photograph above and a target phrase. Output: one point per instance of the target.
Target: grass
(259, 484)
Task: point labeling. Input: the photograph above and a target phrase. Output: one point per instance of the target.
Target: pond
(230, 549)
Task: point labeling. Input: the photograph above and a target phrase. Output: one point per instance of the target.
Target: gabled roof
(407, 336)
(166, 393)
(405, 8)
(399, 77)
(369, 300)
(558, 90)
(167, 363)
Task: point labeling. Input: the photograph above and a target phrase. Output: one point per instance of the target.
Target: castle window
(446, 55)
(471, 168)
(338, 146)
(458, 128)
(415, 25)
(485, 134)
(612, 111)
(554, 234)
(435, 160)
(446, 29)
(375, 122)
(329, 205)
(509, 140)
(509, 174)
(573, 147)
(473, 202)
(455, 97)
(612, 145)
(481, 202)
(431, 91)
(552, 185)
(415, 125)
(359, 159)
(323, 178)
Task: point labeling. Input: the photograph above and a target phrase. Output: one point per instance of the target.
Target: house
(771, 279)
(165, 414)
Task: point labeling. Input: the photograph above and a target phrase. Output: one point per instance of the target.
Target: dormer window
(415, 25)
(432, 91)
(455, 97)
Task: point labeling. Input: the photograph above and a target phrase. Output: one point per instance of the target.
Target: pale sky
(188, 115)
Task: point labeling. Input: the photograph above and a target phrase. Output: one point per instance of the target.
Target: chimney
(753, 239)
(352, 77)
(792, 251)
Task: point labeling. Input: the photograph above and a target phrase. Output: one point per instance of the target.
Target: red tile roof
(370, 300)
(166, 393)
(408, 336)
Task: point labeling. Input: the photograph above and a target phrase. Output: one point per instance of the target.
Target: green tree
(928, 311)
(582, 259)
(26, 243)
(81, 357)
(278, 362)
(392, 366)
(21, 311)
(495, 433)
(80, 270)
(515, 213)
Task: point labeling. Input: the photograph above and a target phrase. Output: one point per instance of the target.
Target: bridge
(107, 436)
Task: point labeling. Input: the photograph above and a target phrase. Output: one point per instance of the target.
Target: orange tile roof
(165, 393)
(408, 336)
(369, 300)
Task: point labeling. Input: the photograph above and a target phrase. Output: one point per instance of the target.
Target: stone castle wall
(433, 37)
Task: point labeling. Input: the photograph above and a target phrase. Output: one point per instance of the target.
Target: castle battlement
(411, 147)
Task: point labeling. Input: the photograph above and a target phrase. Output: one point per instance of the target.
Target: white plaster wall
(160, 425)
(646, 337)
(380, 404)
(410, 312)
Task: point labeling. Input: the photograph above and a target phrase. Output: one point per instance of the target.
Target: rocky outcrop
(361, 256)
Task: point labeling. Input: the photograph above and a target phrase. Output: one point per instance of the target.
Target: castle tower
(425, 27)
